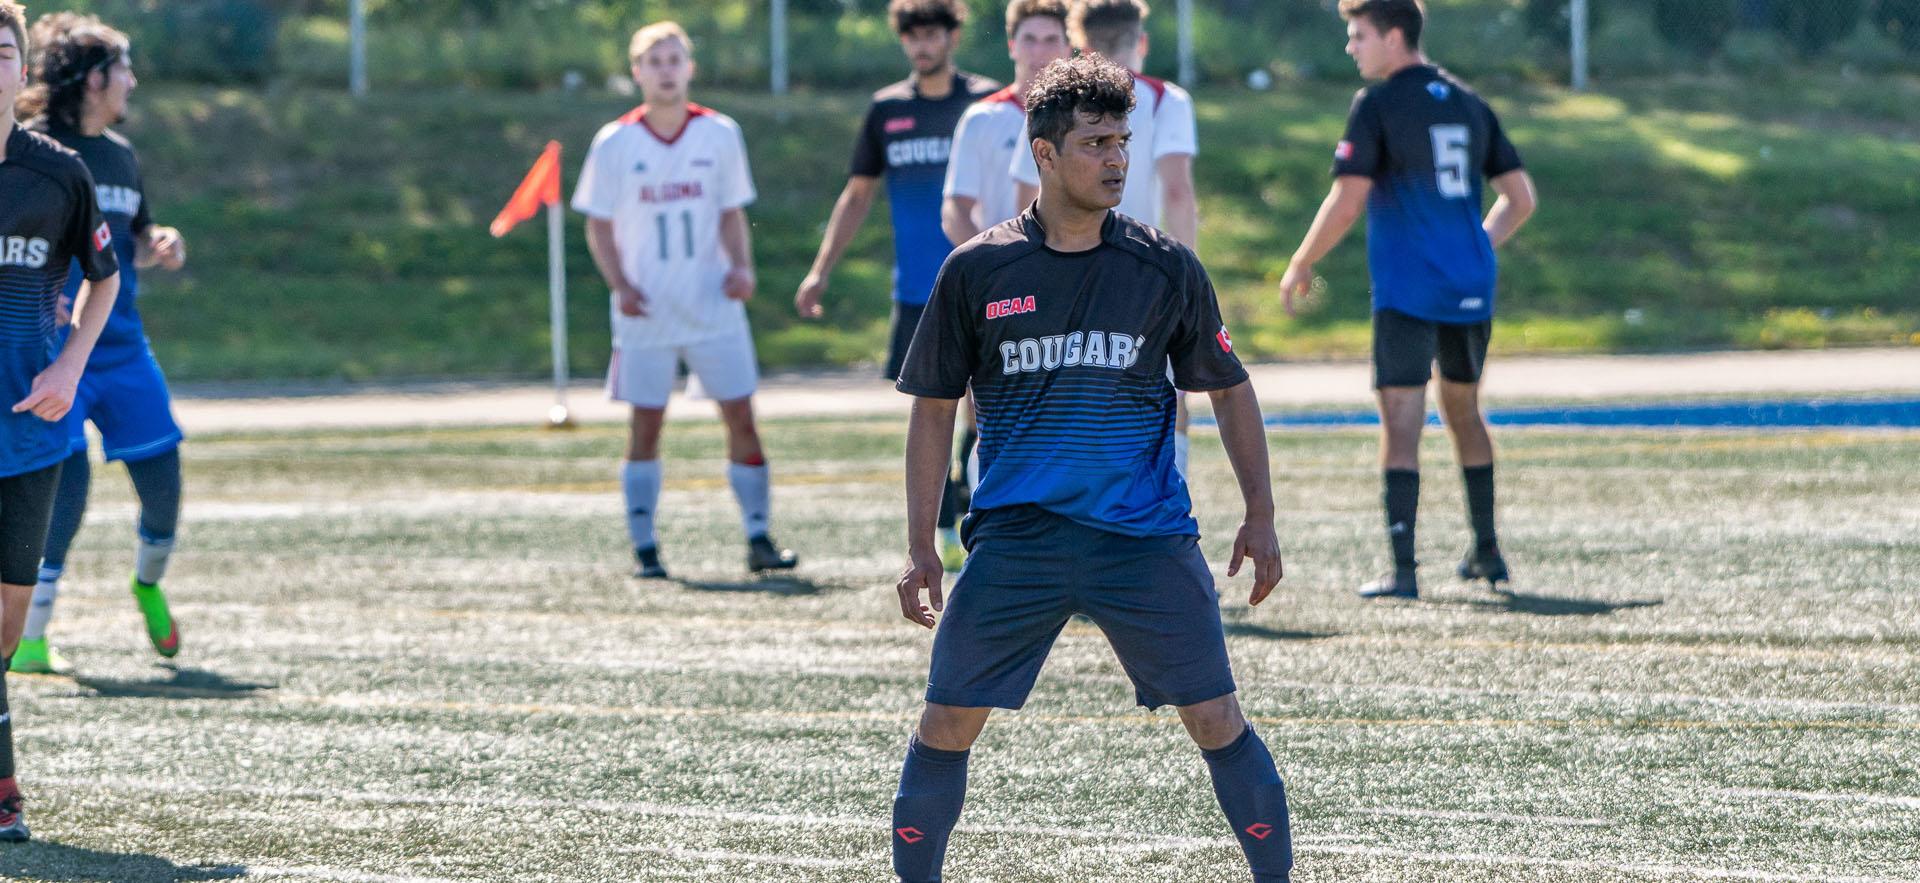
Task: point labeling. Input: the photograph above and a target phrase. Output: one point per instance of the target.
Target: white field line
(1503, 818)
(1656, 869)
(750, 858)
(1825, 797)
(307, 872)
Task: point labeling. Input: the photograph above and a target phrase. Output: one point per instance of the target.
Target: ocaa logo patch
(1012, 306)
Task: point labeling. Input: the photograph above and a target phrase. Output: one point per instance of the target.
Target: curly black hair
(1085, 84)
(68, 47)
(905, 15)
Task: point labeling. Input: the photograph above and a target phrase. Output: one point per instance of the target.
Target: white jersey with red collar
(665, 194)
(1163, 125)
(990, 134)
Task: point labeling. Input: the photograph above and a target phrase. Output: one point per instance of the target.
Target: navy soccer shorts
(130, 404)
(1030, 570)
(1405, 349)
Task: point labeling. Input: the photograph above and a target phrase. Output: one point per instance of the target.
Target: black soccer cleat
(762, 554)
(648, 564)
(13, 823)
(1398, 584)
(1488, 565)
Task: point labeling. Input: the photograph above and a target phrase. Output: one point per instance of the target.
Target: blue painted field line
(1892, 413)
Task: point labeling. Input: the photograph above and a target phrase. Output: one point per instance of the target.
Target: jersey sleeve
(598, 192)
(945, 351)
(1502, 157)
(1174, 130)
(1023, 169)
(965, 177)
(142, 217)
(1363, 150)
(87, 236)
(736, 178)
(1201, 351)
(869, 154)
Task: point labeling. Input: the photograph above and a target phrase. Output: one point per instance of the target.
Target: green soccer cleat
(161, 629)
(34, 657)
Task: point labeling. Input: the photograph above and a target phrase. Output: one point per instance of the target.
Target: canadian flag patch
(1225, 340)
(1343, 151)
(102, 237)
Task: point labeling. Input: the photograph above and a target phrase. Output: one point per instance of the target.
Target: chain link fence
(543, 44)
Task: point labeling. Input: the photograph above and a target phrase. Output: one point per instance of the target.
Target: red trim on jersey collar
(1158, 86)
(1008, 96)
(638, 116)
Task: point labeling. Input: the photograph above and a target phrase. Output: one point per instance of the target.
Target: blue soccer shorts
(1030, 571)
(130, 405)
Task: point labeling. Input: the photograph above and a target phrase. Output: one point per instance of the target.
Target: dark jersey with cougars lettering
(1429, 144)
(48, 219)
(1067, 355)
(121, 193)
(907, 138)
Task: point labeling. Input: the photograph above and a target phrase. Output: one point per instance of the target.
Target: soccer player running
(906, 138)
(1063, 322)
(1160, 191)
(48, 218)
(665, 190)
(1418, 147)
(83, 75)
(978, 192)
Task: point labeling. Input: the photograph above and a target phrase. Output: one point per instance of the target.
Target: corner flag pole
(540, 187)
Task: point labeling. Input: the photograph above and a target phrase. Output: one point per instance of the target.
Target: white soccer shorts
(725, 367)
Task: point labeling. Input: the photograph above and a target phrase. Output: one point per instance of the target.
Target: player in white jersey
(1159, 190)
(978, 192)
(665, 190)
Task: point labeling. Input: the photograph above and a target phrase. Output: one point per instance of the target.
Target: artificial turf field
(418, 656)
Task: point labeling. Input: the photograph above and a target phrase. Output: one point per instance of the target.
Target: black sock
(1480, 506)
(1403, 503)
(6, 722)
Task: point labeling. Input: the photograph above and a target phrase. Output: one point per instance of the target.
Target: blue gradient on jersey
(123, 338)
(919, 245)
(1094, 445)
(1427, 252)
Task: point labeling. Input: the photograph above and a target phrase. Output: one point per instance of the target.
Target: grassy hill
(339, 240)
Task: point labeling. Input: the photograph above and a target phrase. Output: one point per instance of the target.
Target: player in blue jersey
(1063, 323)
(48, 219)
(1418, 149)
(85, 74)
(906, 137)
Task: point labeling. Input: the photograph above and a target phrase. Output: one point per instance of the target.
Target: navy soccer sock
(1403, 504)
(1255, 801)
(1479, 481)
(933, 786)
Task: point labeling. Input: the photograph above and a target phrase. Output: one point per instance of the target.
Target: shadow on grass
(771, 585)
(1250, 630)
(59, 862)
(185, 683)
(1546, 605)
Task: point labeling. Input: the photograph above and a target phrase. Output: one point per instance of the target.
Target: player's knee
(1214, 723)
(949, 728)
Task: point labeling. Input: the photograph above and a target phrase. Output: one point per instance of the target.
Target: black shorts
(26, 504)
(906, 317)
(1405, 349)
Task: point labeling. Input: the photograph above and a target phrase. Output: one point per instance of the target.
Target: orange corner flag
(540, 187)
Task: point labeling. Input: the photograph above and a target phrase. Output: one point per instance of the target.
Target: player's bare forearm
(929, 453)
(606, 253)
(1244, 434)
(1344, 205)
(1516, 204)
(849, 212)
(1179, 209)
(90, 310)
(956, 218)
(736, 238)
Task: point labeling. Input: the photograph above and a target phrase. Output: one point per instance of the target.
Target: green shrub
(1697, 26)
(1810, 26)
(1900, 19)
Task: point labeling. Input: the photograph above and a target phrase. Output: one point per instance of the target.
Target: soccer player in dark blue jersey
(1418, 150)
(48, 219)
(906, 138)
(1063, 322)
(85, 73)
